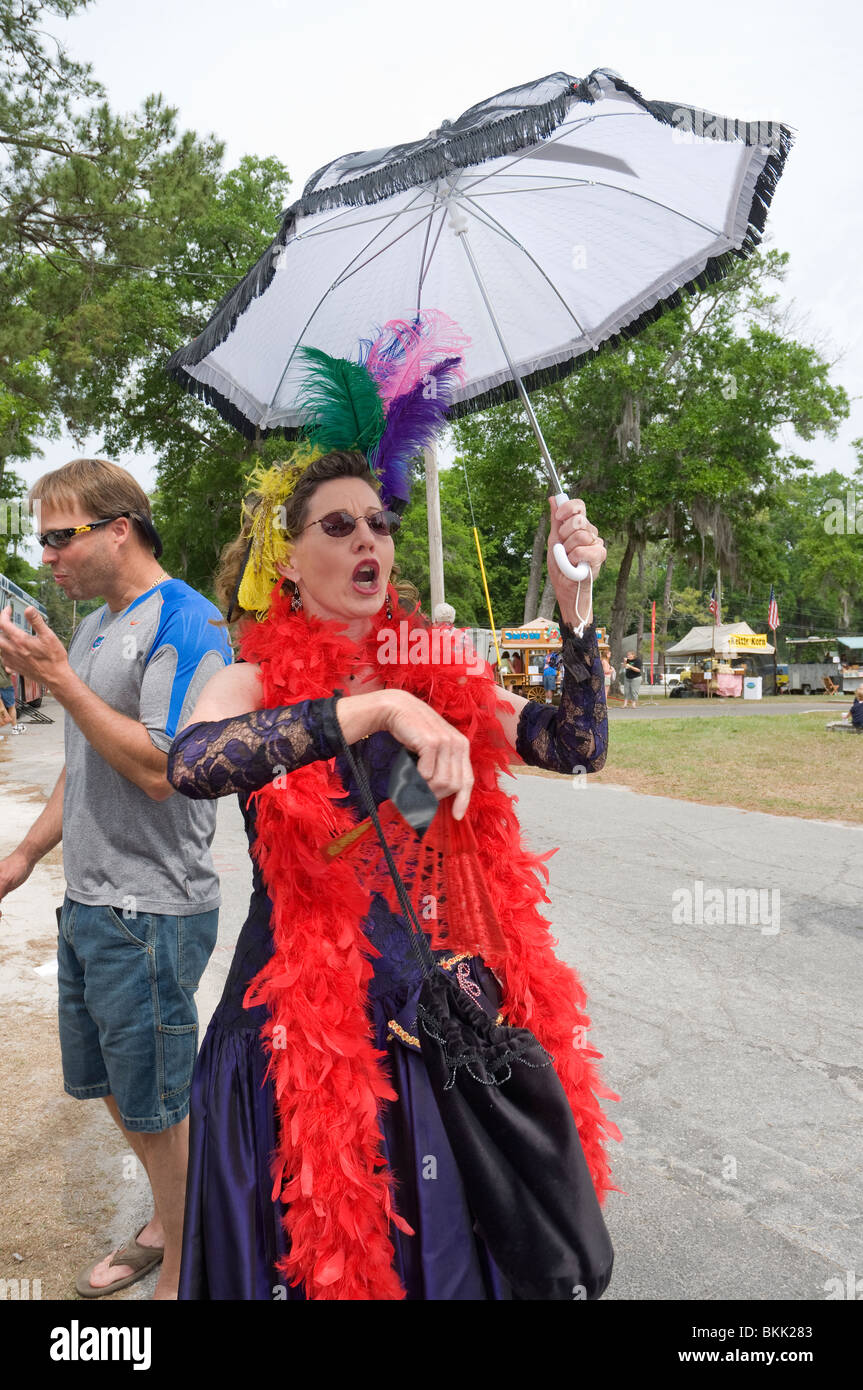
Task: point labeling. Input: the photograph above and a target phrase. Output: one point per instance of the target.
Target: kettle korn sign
(748, 641)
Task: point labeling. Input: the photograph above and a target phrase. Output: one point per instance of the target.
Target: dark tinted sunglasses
(58, 539)
(341, 524)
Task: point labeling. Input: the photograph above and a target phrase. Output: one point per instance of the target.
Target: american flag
(772, 611)
(714, 606)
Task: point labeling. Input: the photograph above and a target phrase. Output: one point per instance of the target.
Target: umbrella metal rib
(578, 572)
(340, 280)
(424, 270)
(495, 225)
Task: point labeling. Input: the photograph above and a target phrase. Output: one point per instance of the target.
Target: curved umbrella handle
(575, 572)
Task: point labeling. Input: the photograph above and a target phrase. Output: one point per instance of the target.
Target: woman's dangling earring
(389, 608)
(296, 600)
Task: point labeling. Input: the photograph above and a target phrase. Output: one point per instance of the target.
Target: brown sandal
(140, 1258)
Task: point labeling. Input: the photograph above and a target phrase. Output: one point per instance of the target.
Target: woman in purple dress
(251, 735)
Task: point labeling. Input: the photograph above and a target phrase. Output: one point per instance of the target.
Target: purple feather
(413, 421)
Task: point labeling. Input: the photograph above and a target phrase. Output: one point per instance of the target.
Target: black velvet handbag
(504, 1110)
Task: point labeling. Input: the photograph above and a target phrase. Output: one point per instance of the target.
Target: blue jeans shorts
(7, 695)
(128, 1021)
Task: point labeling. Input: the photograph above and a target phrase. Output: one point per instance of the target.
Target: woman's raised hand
(443, 752)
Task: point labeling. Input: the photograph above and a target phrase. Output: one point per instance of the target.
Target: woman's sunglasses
(341, 524)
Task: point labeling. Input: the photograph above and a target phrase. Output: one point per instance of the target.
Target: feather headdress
(389, 406)
(393, 402)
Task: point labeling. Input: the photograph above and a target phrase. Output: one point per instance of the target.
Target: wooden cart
(532, 642)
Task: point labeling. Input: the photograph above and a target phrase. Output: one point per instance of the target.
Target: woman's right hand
(444, 753)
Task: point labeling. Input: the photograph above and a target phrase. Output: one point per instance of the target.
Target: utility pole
(435, 535)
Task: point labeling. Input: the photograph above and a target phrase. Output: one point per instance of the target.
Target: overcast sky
(307, 82)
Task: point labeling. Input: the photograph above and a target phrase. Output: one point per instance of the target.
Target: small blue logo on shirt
(97, 641)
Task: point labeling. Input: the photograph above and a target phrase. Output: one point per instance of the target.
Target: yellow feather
(270, 546)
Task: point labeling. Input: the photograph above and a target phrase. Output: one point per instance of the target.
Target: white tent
(700, 641)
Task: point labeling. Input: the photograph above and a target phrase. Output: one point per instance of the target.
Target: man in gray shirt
(139, 918)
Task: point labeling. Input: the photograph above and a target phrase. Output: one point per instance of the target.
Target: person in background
(443, 615)
(8, 712)
(549, 675)
(608, 671)
(631, 679)
(856, 711)
(517, 663)
(139, 920)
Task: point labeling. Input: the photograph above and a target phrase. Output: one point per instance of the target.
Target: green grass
(789, 766)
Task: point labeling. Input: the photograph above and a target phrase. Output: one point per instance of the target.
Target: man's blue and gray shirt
(120, 847)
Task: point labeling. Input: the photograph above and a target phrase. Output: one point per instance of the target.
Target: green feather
(339, 403)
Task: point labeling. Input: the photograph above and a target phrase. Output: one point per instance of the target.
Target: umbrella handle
(575, 572)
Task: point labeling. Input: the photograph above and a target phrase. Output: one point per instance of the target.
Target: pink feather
(404, 351)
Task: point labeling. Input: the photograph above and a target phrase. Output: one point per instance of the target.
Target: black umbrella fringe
(508, 135)
(224, 317)
(226, 408)
(715, 269)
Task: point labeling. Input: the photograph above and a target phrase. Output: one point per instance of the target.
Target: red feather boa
(329, 1078)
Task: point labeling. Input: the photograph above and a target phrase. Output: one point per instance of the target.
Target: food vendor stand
(717, 658)
(850, 673)
(532, 641)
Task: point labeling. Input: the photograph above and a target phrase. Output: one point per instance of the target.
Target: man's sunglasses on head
(341, 524)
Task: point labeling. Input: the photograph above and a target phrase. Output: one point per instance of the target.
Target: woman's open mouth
(366, 577)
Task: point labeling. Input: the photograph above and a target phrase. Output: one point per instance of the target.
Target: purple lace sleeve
(245, 753)
(575, 734)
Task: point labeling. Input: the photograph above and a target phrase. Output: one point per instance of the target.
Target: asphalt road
(733, 1037)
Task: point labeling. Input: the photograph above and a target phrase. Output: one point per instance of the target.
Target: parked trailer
(804, 677)
(27, 692)
(817, 657)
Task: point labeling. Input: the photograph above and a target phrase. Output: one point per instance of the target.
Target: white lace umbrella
(548, 221)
